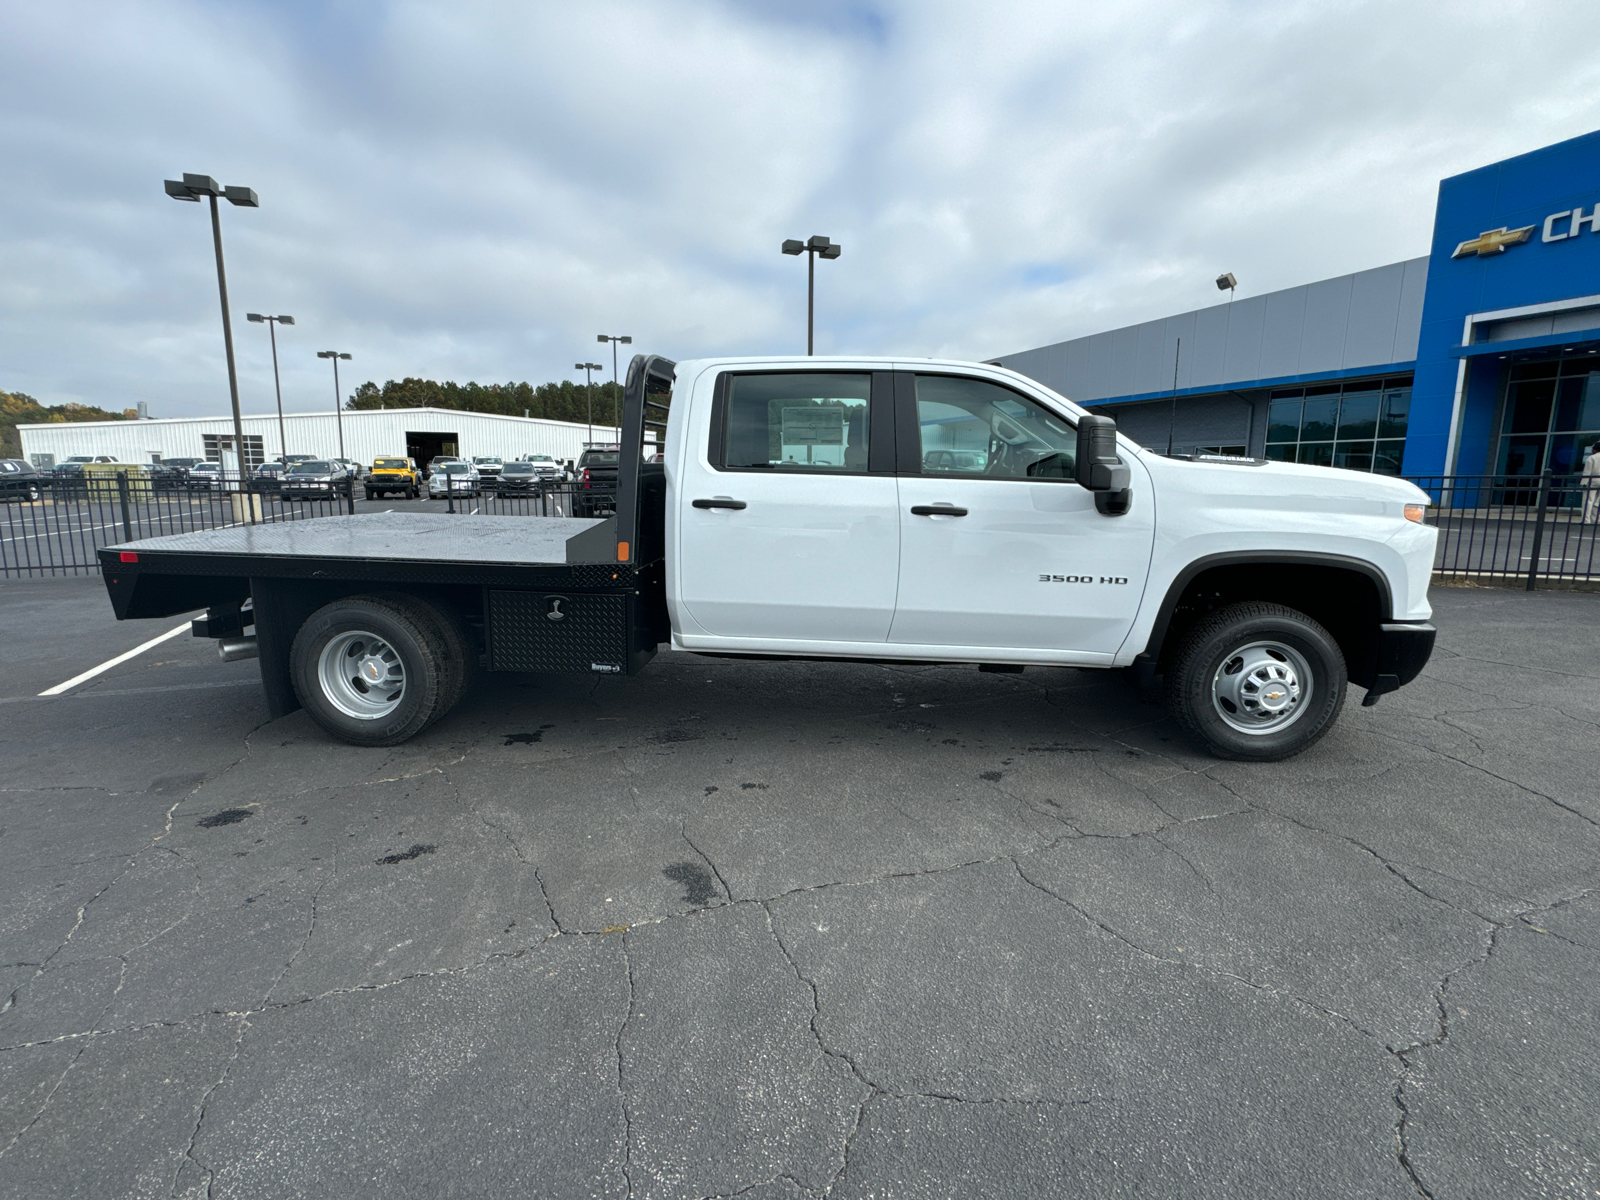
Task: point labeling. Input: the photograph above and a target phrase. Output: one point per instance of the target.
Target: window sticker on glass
(801, 421)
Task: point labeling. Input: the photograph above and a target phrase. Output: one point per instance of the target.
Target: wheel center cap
(371, 670)
(1276, 695)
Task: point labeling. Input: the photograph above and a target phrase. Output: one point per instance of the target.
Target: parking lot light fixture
(587, 368)
(614, 339)
(814, 246)
(338, 400)
(191, 188)
(272, 324)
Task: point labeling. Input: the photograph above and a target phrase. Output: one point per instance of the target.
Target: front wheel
(1257, 681)
(376, 670)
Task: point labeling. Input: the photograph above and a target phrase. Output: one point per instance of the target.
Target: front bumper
(1403, 650)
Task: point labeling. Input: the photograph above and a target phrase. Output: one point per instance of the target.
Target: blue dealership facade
(1481, 358)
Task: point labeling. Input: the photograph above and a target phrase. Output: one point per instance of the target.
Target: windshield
(456, 468)
(599, 458)
(518, 469)
(390, 464)
(542, 458)
(486, 461)
(310, 468)
(208, 466)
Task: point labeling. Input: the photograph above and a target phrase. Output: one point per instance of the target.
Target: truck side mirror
(1099, 469)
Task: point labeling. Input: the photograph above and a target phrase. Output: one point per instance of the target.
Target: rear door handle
(718, 502)
(937, 510)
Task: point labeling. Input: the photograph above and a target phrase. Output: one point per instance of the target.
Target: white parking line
(109, 663)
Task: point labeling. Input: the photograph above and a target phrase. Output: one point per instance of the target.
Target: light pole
(192, 188)
(811, 248)
(615, 389)
(338, 400)
(587, 367)
(272, 328)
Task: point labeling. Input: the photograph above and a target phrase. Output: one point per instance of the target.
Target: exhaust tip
(234, 649)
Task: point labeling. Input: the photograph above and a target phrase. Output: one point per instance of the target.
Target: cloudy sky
(473, 191)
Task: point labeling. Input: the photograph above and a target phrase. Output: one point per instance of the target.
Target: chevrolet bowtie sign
(1495, 241)
(1492, 241)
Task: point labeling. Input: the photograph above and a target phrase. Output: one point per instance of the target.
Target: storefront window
(1552, 417)
(1360, 425)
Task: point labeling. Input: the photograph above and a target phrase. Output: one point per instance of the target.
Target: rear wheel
(374, 670)
(1257, 681)
(371, 495)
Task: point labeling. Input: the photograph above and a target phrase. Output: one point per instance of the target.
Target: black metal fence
(1497, 528)
(1515, 528)
(59, 533)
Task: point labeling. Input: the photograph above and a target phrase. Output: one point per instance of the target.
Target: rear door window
(805, 421)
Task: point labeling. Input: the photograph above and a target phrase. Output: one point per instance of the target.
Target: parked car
(455, 479)
(595, 490)
(206, 476)
(289, 460)
(356, 470)
(489, 468)
(19, 481)
(544, 466)
(393, 475)
(171, 474)
(437, 462)
(314, 477)
(521, 478)
(267, 478)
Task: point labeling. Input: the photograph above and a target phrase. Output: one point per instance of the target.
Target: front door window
(999, 546)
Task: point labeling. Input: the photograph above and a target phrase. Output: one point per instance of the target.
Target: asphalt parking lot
(778, 930)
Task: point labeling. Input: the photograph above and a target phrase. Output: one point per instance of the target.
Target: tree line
(564, 401)
(19, 408)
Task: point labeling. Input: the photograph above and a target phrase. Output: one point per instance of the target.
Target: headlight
(1415, 512)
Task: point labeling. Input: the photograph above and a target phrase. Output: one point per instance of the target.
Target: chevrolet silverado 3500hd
(860, 509)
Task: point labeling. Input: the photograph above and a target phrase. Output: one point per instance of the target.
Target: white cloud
(475, 190)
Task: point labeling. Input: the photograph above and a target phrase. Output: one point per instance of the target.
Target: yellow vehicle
(393, 475)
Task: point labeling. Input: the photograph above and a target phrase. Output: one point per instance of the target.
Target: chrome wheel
(1261, 687)
(361, 675)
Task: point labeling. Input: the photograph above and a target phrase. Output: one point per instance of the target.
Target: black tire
(461, 651)
(1200, 681)
(412, 631)
(371, 495)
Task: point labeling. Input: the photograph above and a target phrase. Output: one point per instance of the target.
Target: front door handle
(937, 510)
(718, 502)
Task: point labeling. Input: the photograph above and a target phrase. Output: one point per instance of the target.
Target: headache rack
(642, 486)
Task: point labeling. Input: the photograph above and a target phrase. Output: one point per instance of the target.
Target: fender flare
(1251, 558)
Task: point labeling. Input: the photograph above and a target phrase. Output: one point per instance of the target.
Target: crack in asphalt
(622, 1081)
(238, 1045)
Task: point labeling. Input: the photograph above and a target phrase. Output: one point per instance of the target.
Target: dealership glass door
(1552, 417)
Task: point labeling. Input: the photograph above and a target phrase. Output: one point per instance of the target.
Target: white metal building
(419, 433)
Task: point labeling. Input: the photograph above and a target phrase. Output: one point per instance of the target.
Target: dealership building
(1483, 357)
(419, 433)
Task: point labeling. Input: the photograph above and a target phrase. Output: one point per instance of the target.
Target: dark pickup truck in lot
(856, 509)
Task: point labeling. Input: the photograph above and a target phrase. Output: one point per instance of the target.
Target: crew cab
(859, 509)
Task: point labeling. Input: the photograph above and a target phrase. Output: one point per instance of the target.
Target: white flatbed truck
(859, 509)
